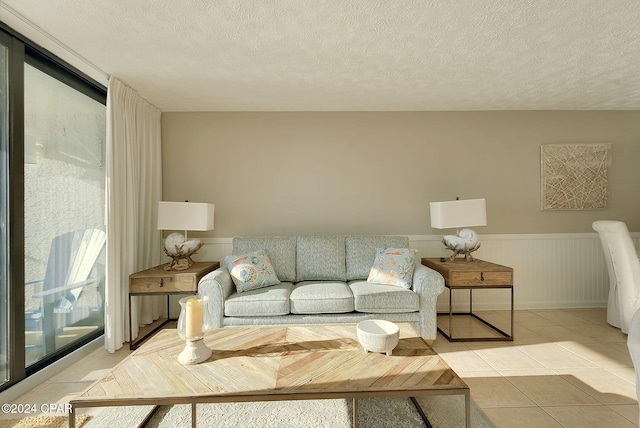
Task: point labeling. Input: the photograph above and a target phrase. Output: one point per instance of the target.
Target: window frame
(23, 51)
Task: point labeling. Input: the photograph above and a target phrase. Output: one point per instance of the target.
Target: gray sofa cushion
(383, 299)
(263, 302)
(361, 251)
(321, 258)
(321, 297)
(280, 249)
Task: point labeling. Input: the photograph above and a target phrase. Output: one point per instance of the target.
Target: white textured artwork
(574, 176)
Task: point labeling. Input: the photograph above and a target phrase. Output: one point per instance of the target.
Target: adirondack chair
(72, 258)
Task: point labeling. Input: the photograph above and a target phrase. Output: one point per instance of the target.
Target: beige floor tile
(531, 318)
(474, 346)
(618, 346)
(554, 356)
(551, 390)
(602, 355)
(528, 372)
(496, 392)
(465, 374)
(601, 385)
(563, 318)
(93, 367)
(593, 315)
(626, 373)
(588, 417)
(507, 358)
(442, 344)
(465, 360)
(528, 417)
(599, 333)
(556, 333)
(524, 336)
(627, 411)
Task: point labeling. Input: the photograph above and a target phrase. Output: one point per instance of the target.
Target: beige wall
(376, 172)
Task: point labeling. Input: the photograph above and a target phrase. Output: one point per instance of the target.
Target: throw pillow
(251, 271)
(393, 266)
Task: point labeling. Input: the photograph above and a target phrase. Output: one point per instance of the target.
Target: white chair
(624, 272)
(633, 343)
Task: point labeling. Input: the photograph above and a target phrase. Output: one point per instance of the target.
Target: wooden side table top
(156, 280)
(478, 273)
(158, 271)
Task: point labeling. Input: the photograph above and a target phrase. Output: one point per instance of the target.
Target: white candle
(194, 319)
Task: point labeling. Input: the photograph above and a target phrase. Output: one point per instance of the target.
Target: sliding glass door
(52, 208)
(4, 178)
(64, 207)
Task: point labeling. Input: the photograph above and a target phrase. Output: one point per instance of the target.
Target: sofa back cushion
(280, 249)
(321, 258)
(361, 252)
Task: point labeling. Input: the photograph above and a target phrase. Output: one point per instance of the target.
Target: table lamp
(183, 216)
(460, 213)
(194, 321)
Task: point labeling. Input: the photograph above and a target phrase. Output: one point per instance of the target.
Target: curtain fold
(134, 187)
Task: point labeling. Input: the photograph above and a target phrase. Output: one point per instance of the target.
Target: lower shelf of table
(470, 327)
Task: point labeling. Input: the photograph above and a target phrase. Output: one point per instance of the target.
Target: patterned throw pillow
(393, 266)
(251, 271)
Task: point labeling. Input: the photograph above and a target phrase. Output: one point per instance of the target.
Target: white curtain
(134, 187)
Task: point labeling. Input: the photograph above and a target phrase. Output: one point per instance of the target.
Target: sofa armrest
(427, 282)
(217, 286)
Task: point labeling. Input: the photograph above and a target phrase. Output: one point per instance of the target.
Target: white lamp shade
(185, 216)
(460, 213)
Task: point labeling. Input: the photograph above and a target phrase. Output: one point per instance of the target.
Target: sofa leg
(430, 342)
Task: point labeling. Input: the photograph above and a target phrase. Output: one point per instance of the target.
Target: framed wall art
(574, 176)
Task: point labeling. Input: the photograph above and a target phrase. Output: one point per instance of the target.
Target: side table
(157, 281)
(476, 275)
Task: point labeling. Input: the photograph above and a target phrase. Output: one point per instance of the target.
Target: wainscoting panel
(215, 249)
(550, 270)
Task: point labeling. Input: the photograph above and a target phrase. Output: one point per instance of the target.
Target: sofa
(322, 280)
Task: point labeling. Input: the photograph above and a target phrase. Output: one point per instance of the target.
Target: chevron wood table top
(274, 363)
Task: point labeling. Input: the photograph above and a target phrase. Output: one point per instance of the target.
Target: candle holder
(194, 321)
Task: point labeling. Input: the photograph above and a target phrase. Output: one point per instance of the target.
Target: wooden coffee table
(272, 364)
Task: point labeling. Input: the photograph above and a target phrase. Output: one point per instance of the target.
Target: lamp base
(180, 250)
(467, 254)
(465, 243)
(179, 264)
(194, 352)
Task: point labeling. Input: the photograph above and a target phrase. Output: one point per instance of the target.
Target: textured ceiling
(321, 55)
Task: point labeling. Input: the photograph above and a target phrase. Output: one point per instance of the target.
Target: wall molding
(487, 237)
(28, 29)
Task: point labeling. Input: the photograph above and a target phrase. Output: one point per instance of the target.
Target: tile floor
(565, 368)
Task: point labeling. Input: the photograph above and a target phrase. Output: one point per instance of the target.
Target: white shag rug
(442, 412)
